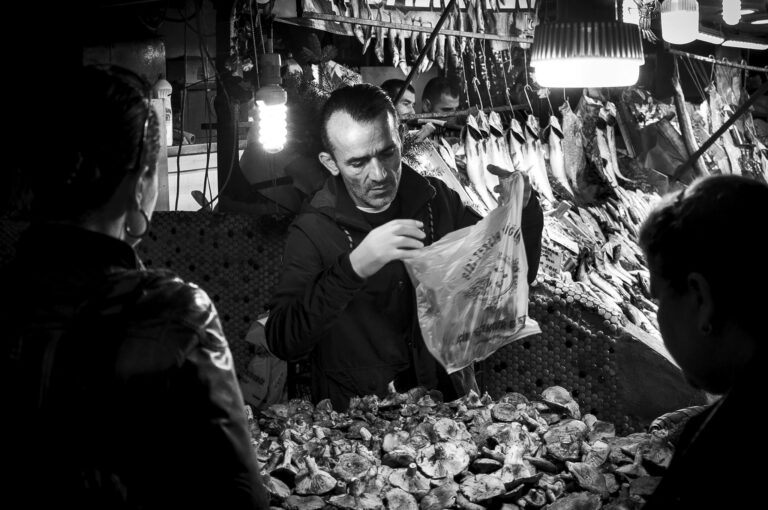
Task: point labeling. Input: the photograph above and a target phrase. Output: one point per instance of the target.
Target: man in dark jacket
(345, 298)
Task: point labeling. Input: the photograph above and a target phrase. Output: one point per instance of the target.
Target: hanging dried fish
(379, 48)
(368, 31)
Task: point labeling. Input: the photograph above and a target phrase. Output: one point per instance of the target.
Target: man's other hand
(503, 189)
(395, 240)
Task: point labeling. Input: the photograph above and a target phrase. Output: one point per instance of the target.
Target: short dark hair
(112, 131)
(438, 86)
(392, 87)
(710, 229)
(363, 102)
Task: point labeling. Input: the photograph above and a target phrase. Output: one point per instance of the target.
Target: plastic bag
(471, 287)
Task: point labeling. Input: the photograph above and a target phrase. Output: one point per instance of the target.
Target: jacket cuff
(349, 274)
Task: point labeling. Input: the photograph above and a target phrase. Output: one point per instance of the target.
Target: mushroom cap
(556, 394)
(644, 485)
(414, 483)
(300, 405)
(276, 488)
(440, 497)
(577, 501)
(314, 480)
(588, 477)
(508, 434)
(442, 460)
(296, 502)
(560, 399)
(482, 487)
(505, 412)
(324, 405)
(399, 457)
(485, 466)
(350, 466)
(353, 432)
(398, 499)
(600, 430)
(513, 398)
(596, 453)
(446, 429)
(394, 439)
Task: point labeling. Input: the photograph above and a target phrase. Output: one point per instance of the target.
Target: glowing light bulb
(630, 12)
(679, 21)
(272, 113)
(732, 11)
(587, 72)
(587, 54)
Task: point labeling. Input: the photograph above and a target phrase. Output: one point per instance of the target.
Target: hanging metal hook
(475, 82)
(551, 110)
(527, 98)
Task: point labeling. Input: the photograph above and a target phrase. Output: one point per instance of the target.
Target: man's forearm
(297, 322)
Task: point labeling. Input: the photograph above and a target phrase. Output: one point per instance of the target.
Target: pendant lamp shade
(587, 54)
(679, 21)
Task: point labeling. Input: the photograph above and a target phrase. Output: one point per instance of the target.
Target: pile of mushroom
(414, 451)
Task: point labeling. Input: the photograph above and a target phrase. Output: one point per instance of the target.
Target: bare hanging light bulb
(679, 21)
(271, 101)
(732, 11)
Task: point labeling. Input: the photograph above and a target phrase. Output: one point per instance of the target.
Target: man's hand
(425, 132)
(395, 240)
(503, 188)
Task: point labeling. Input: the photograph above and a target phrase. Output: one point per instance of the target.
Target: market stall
(585, 412)
(600, 157)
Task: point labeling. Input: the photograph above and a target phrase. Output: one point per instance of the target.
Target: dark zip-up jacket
(120, 387)
(360, 334)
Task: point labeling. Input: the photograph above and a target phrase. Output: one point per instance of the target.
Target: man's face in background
(406, 103)
(445, 104)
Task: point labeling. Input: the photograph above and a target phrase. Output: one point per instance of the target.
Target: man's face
(446, 104)
(701, 357)
(405, 105)
(367, 156)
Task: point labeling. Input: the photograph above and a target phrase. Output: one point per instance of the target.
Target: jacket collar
(55, 244)
(334, 201)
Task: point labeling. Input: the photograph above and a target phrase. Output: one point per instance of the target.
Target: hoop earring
(130, 233)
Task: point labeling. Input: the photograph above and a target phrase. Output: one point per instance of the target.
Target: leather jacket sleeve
(219, 452)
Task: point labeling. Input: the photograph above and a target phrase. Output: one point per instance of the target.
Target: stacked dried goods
(414, 451)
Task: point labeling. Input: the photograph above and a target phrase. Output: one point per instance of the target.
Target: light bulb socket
(269, 67)
(271, 95)
(587, 39)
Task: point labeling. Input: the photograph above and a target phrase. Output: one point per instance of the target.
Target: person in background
(120, 382)
(405, 105)
(440, 96)
(699, 244)
(344, 298)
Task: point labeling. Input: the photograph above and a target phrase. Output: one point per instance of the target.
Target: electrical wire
(205, 54)
(181, 123)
